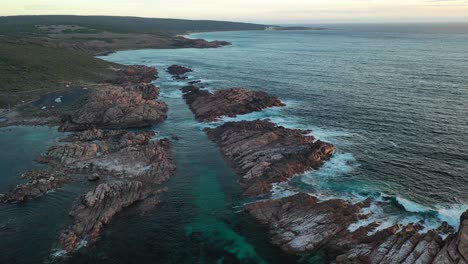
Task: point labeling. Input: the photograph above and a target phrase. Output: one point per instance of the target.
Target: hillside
(28, 25)
(28, 71)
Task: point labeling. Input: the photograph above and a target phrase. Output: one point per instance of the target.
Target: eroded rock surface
(302, 224)
(264, 153)
(121, 154)
(96, 209)
(227, 102)
(125, 102)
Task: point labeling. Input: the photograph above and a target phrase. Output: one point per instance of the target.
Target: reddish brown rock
(114, 107)
(119, 153)
(263, 153)
(135, 74)
(96, 209)
(209, 107)
(302, 223)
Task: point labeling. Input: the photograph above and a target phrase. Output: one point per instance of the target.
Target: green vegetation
(27, 25)
(28, 71)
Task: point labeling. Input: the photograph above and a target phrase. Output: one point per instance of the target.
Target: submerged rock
(264, 153)
(209, 107)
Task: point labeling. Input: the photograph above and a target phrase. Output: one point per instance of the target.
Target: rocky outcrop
(302, 224)
(121, 154)
(130, 165)
(115, 107)
(264, 153)
(125, 102)
(178, 70)
(96, 209)
(38, 182)
(209, 107)
(135, 74)
(200, 43)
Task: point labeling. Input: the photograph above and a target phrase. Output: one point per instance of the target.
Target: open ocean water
(393, 99)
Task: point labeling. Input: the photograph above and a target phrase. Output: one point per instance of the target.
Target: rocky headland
(209, 107)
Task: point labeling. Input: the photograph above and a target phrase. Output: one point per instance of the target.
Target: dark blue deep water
(394, 100)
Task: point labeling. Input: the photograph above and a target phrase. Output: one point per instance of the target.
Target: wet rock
(175, 138)
(209, 107)
(264, 153)
(178, 70)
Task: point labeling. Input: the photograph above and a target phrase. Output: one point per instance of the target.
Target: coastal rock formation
(115, 107)
(200, 43)
(178, 70)
(125, 102)
(121, 154)
(264, 153)
(38, 183)
(130, 165)
(209, 107)
(96, 208)
(302, 224)
(135, 74)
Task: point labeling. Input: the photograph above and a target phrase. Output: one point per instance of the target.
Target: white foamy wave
(411, 206)
(339, 164)
(451, 213)
(172, 94)
(281, 190)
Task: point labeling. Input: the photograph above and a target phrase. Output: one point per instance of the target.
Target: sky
(258, 11)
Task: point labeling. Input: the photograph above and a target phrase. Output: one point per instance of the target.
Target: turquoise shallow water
(393, 101)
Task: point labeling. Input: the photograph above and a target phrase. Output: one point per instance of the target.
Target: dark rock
(93, 177)
(194, 82)
(174, 137)
(263, 153)
(178, 70)
(227, 102)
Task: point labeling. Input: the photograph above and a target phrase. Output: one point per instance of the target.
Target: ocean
(393, 99)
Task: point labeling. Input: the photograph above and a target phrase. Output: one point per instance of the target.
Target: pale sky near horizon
(260, 11)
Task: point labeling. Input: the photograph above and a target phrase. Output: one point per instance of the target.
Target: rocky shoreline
(127, 167)
(263, 153)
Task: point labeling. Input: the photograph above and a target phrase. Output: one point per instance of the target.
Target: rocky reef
(302, 224)
(209, 107)
(125, 102)
(38, 182)
(264, 153)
